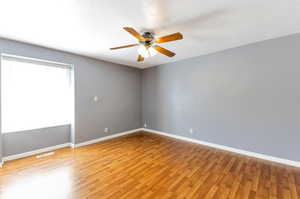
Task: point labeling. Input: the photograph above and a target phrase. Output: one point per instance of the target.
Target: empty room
(146, 99)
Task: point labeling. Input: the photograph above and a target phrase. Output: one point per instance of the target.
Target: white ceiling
(91, 27)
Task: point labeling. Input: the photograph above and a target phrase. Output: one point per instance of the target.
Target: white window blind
(35, 94)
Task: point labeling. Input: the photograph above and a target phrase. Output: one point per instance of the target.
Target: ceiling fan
(148, 43)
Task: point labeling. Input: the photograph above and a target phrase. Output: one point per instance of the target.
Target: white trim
(37, 129)
(45, 154)
(6, 55)
(105, 138)
(30, 153)
(52, 148)
(226, 148)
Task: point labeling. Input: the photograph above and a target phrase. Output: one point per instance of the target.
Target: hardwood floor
(145, 165)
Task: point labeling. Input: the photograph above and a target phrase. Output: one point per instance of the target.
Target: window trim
(45, 62)
(35, 60)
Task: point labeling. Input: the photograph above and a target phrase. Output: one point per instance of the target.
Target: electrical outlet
(106, 130)
(96, 98)
(145, 125)
(191, 131)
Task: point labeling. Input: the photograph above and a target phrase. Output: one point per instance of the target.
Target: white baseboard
(226, 148)
(231, 149)
(52, 148)
(105, 138)
(38, 151)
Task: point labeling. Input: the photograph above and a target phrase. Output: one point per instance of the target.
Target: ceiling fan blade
(134, 33)
(164, 51)
(168, 38)
(140, 58)
(127, 46)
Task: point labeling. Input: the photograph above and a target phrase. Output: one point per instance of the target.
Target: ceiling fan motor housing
(149, 38)
(148, 43)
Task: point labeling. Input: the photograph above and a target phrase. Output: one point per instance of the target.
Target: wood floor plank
(148, 166)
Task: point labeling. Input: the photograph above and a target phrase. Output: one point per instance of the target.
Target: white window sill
(36, 129)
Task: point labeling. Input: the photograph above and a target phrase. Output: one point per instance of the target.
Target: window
(35, 94)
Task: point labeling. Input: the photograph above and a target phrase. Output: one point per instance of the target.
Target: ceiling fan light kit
(146, 51)
(148, 43)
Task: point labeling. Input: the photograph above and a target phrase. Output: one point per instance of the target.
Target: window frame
(44, 62)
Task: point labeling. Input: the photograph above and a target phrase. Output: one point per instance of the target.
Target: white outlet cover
(96, 99)
(191, 131)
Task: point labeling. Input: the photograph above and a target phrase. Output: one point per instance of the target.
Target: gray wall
(247, 97)
(1, 147)
(118, 86)
(20, 142)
